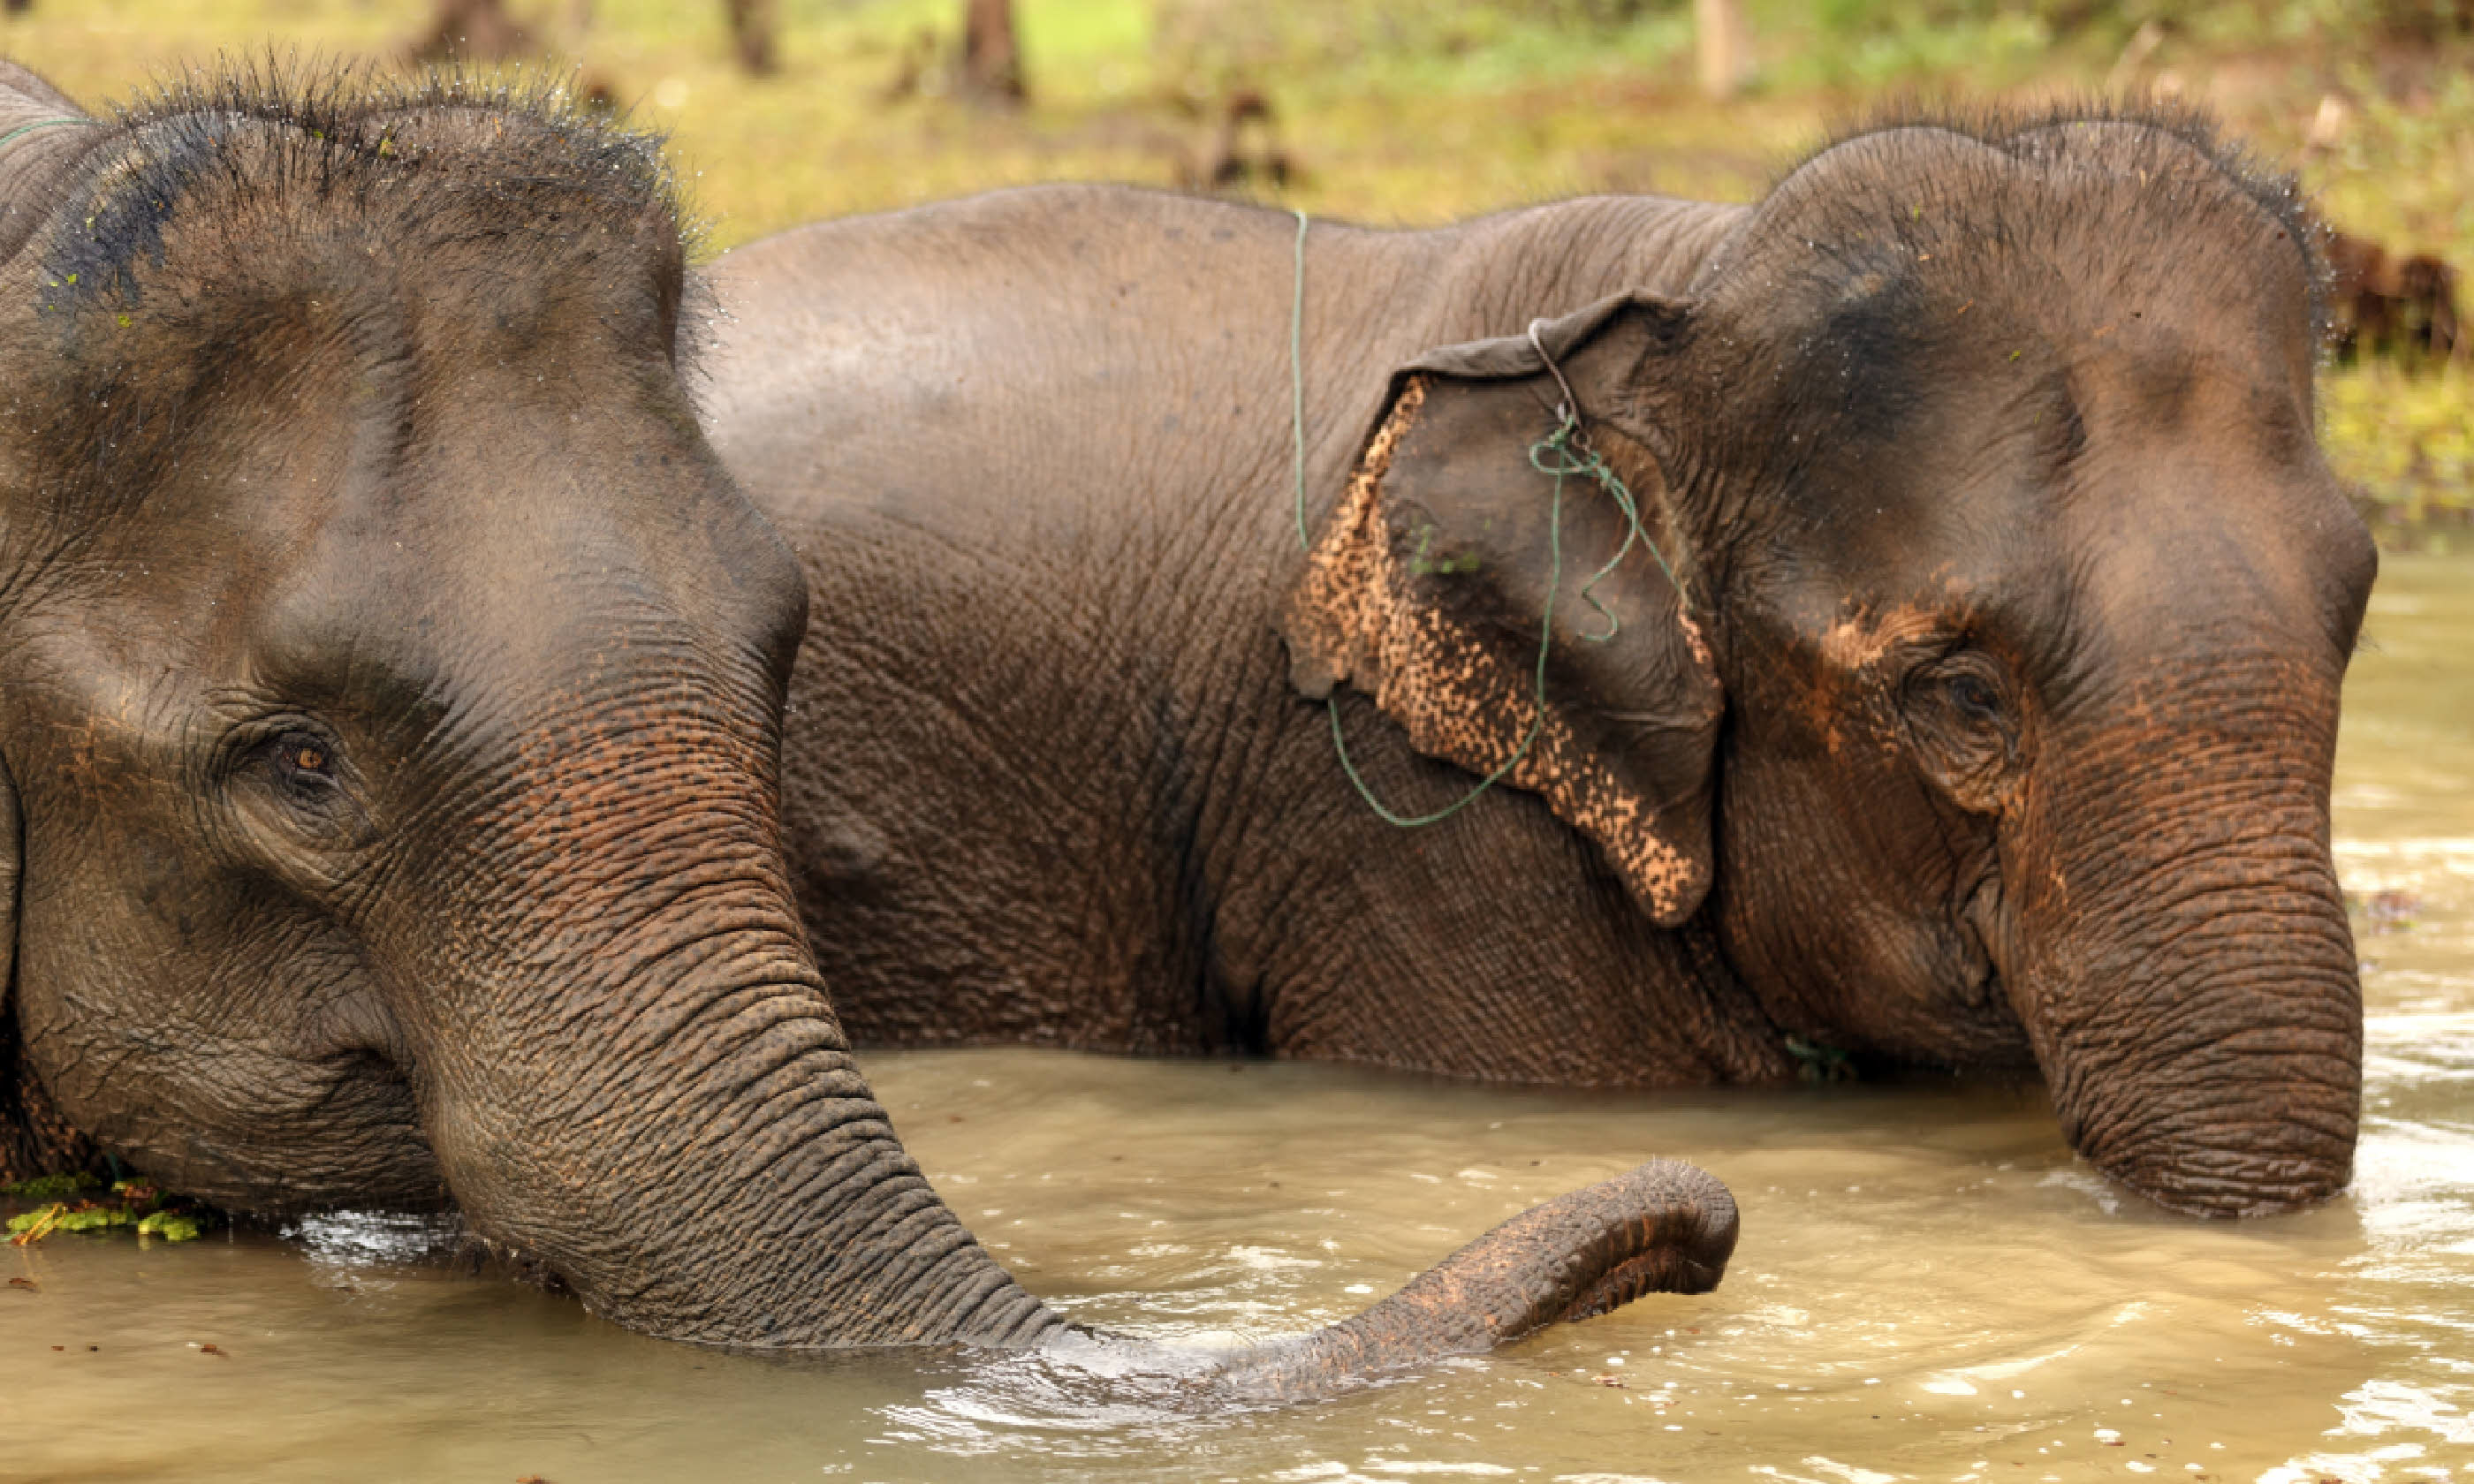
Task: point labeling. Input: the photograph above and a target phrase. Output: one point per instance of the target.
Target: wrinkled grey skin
(1992, 729)
(391, 690)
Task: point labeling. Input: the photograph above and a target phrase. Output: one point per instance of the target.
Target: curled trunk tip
(1664, 1227)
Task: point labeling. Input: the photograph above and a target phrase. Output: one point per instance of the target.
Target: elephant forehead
(276, 277)
(2115, 202)
(480, 198)
(114, 712)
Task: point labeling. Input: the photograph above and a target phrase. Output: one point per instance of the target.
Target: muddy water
(1929, 1285)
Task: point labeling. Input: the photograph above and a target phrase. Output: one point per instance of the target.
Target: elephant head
(1976, 685)
(391, 687)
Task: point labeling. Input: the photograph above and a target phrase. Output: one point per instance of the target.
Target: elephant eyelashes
(1959, 714)
(293, 780)
(1962, 690)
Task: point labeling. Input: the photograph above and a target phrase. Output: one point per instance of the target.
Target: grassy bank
(1420, 110)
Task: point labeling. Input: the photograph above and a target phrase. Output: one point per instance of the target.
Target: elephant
(1944, 674)
(394, 683)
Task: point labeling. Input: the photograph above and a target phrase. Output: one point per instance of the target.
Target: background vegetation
(1419, 111)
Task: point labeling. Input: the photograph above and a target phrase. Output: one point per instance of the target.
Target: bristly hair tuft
(223, 206)
(232, 140)
(346, 102)
(2166, 122)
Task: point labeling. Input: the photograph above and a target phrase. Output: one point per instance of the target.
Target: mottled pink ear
(1428, 586)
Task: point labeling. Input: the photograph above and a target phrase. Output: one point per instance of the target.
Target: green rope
(1573, 460)
(46, 123)
(1536, 715)
(1568, 458)
(1298, 379)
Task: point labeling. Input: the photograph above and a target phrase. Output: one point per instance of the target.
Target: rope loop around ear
(1560, 454)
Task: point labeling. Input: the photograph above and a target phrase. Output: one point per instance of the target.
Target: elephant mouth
(1986, 990)
(1977, 928)
(1981, 1026)
(1987, 1037)
(1989, 1032)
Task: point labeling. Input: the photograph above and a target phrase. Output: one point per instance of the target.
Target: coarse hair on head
(263, 216)
(434, 159)
(2189, 178)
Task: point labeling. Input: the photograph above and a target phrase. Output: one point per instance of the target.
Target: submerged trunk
(652, 1096)
(2192, 989)
(756, 1196)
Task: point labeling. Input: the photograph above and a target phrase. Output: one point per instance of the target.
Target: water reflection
(1930, 1285)
(372, 1239)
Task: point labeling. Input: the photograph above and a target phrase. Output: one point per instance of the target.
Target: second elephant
(1966, 694)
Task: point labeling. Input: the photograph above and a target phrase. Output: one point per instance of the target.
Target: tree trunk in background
(473, 31)
(991, 62)
(751, 32)
(1725, 46)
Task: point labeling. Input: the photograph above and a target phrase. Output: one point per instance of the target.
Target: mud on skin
(1989, 729)
(395, 684)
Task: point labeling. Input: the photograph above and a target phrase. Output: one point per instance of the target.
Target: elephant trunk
(1665, 1227)
(697, 1156)
(626, 1063)
(2191, 989)
(651, 1095)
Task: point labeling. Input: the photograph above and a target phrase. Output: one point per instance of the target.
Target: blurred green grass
(1422, 111)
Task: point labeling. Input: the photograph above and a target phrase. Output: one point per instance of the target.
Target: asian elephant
(390, 701)
(1964, 694)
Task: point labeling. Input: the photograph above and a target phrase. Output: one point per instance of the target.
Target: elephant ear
(21, 1145)
(33, 1138)
(1428, 590)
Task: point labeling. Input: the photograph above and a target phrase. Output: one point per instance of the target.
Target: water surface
(1929, 1286)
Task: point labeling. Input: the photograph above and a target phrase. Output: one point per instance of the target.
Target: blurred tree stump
(1234, 161)
(2399, 305)
(991, 69)
(751, 33)
(2426, 22)
(1724, 46)
(471, 31)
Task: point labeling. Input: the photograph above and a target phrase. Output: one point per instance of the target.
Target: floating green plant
(170, 1226)
(131, 1202)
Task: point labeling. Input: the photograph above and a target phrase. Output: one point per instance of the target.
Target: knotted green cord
(1570, 459)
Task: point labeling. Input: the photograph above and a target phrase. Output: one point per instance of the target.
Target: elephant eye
(1963, 717)
(302, 760)
(1975, 696)
(294, 779)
